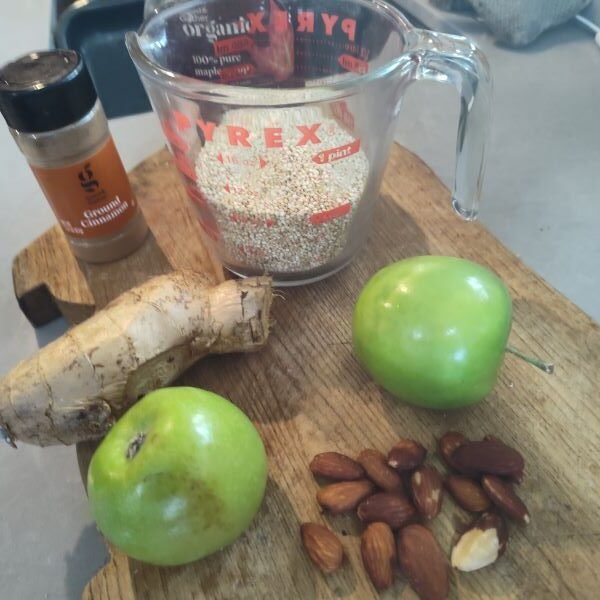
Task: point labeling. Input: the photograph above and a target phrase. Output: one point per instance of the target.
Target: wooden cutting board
(307, 394)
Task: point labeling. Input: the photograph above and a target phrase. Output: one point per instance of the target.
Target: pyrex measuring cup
(280, 115)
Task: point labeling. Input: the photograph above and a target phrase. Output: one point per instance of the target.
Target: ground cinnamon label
(91, 198)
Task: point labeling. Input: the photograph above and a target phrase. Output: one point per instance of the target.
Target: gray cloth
(518, 22)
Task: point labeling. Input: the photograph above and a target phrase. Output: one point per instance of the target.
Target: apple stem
(536, 362)
(135, 445)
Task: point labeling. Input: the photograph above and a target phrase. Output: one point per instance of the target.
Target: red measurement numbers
(327, 156)
(330, 215)
(226, 159)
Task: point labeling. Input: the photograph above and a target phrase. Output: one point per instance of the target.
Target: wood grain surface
(307, 394)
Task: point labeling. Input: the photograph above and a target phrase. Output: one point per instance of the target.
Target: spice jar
(53, 112)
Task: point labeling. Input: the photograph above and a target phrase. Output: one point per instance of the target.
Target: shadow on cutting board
(89, 552)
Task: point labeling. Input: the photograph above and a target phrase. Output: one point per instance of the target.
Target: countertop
(540, 199)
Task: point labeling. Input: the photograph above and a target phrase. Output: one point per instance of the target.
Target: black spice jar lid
(43, 91)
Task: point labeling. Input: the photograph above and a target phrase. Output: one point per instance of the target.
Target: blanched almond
(482, 544)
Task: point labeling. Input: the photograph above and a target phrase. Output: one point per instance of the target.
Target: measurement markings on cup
(327, 156)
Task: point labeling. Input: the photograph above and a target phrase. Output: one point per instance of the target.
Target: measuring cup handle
(456, 60)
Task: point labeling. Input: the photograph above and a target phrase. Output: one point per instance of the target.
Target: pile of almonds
(394, 493)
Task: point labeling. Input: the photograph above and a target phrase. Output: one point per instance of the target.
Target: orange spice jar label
(91, 198)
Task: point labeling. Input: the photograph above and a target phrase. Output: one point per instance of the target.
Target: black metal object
(96, 29)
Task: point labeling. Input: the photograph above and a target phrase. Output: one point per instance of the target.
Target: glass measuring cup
(280, 115)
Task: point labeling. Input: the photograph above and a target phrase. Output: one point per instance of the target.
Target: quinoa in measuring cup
(282, 185)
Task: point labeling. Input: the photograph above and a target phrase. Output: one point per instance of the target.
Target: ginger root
(76, 387)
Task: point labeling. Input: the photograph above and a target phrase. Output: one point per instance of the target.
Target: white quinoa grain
(264, 214)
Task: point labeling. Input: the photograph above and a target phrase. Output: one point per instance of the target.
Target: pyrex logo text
(307, 21)
(273, 136)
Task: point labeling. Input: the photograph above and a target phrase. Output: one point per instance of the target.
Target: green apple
(180, 475)
(432, 330)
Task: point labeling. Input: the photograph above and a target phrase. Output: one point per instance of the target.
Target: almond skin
(336, 466)
(515, 477)
(427, 491)
(406, 455)
(423, 562)
(482, 544)
(448, 443)
(378, 471)
(345, 496)
(322, 546)
(395, 510)
(488, 457)
(467, 493)
(378, 550)
(505, 498)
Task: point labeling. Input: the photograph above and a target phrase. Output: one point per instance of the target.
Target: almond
(378, 550)
(322, 546)
(488, 456)
(448, 443)
(378, 471)
(504, 497)
(516, 477)
(345, 496)
(427, 491)
(467, 493)
(482, 544)
(406, 455)
(394, 509)
(334, 465)
(423, 562)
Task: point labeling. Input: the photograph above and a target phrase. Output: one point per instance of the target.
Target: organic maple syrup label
(261, 42)
(91, 198)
